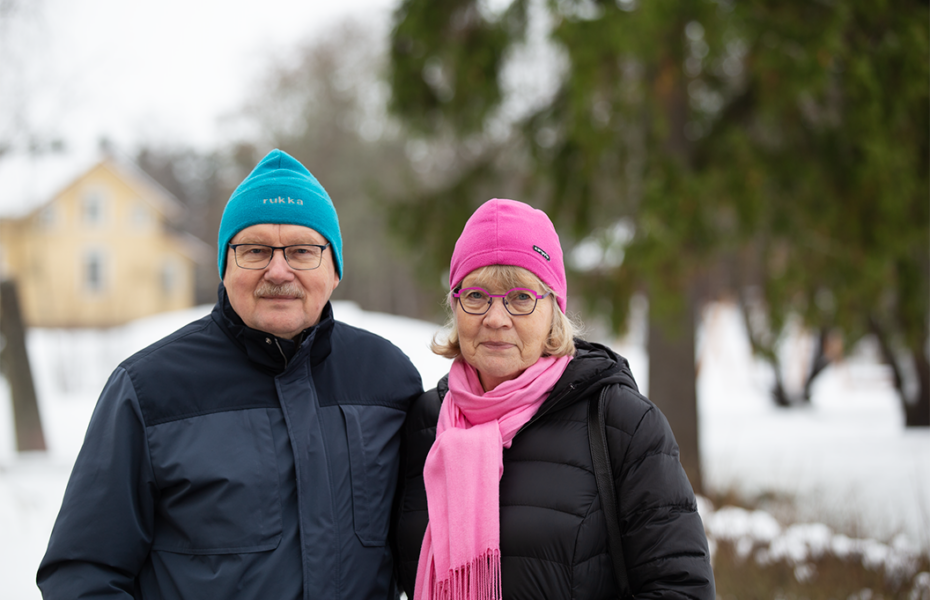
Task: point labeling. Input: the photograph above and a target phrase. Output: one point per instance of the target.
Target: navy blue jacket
(553, 529)
(222, 462)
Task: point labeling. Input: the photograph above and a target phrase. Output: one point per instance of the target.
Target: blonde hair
(561, 340)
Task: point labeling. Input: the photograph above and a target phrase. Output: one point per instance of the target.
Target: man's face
(278, 299)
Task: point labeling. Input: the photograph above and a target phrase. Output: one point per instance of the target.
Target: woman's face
(500, 345)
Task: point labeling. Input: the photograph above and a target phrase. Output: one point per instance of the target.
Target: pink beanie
(507, 232)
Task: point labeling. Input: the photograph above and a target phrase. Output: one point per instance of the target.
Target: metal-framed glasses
(302, 257)
(518, 301)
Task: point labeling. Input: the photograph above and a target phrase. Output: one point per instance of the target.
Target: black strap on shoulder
(597, 438)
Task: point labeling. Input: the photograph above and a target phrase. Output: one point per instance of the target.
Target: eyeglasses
(518, 301)
(302, 257)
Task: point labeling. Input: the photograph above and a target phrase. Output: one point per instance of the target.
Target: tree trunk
(820, 362)
(763, 351)
(917, 412)
(673, 384)
(779, 395)
(14, 363)
(917, 405)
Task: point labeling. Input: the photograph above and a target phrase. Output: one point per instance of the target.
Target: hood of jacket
(593, 367)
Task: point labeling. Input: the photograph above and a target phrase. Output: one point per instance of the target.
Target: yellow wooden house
(101, 250)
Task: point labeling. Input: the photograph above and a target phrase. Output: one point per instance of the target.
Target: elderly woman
(499, 497)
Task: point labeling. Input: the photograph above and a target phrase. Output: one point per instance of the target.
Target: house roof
(29, 181)
(149, 190)
(195, 248)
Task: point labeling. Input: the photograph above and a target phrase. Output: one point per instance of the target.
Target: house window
(94, 271)
(48, 216)
(94, 207)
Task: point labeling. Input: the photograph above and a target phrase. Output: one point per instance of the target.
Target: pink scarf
(460, 558)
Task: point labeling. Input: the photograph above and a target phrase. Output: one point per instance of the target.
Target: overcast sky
(137, 70)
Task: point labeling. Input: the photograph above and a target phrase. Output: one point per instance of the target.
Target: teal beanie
(280, 190)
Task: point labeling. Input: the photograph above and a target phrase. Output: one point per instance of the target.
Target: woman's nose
(497, 315)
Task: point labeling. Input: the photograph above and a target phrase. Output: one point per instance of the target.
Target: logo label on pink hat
(542, 252)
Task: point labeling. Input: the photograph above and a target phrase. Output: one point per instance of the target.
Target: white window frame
(94, 207)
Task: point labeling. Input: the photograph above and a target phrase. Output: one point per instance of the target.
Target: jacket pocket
(374, 442)
(218, 484)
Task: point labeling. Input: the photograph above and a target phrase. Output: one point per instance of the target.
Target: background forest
(770, 154)
(774, 154)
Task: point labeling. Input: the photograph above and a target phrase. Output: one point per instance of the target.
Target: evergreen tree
(755, 146)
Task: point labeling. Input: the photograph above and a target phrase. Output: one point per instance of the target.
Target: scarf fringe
(480, 580)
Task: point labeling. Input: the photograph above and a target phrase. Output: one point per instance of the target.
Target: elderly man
(253, 453)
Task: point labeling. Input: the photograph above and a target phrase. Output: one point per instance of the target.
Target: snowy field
(860, 480)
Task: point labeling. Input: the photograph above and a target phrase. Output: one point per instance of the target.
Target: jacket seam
(220, 549)
(202, 413)
(539, 558)
(145, 440)
(558, 510)
(397, 405)
(685, 507)
(575, 544)
(549, 462)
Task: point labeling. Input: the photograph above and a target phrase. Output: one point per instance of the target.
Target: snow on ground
(847, 458)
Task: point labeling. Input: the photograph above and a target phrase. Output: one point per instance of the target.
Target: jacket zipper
(281, 350)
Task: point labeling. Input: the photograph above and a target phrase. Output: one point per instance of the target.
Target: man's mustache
(285, 289)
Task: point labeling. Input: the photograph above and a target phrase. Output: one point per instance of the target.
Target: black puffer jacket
(553, 531)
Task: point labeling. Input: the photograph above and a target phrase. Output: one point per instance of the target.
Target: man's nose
(278, 267)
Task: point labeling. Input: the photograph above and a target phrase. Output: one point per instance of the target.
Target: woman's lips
(497, 345)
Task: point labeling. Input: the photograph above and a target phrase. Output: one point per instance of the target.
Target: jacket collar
(594, 366)
(270, 351)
